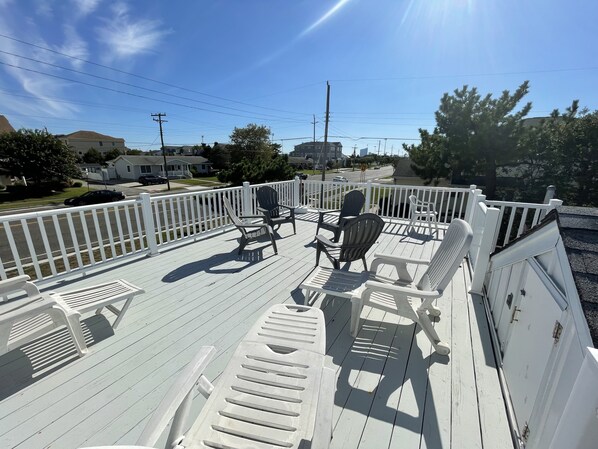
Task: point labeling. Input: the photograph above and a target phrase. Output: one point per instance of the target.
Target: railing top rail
(519, 204)
(193, 192)
(407, 187)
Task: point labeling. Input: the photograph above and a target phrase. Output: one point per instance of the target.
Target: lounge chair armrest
(380, 287)
(18, 283)
(23, 306)
(324, 241)
(175, 402)
(400, 263)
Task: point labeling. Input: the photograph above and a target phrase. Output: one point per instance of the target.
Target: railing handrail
(63, 210)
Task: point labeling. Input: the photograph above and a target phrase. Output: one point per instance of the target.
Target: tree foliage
(473, 135)
(218, 155)
(253, 143)
(258, 171)
(37, 155)
(93, 156)
(562, 150)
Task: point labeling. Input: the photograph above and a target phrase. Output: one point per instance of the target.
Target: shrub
(77, 184)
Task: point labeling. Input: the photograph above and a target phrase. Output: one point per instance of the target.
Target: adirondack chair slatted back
(359, 235)
(447, 257)
(352, 204)
(232, 215)
(267, 198)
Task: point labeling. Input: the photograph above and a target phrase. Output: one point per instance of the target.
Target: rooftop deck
(392, 391)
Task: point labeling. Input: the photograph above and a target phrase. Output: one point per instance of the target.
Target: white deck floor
(392, 392)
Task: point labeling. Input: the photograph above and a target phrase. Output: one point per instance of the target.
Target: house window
(113, 144)
(101, 144)
(128, 169)
(146, 168)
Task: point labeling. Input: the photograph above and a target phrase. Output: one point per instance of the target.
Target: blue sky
(211, 65)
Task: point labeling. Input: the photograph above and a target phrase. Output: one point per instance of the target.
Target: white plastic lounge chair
(40, 314)
(268, 396)
(421, 210)
(396, 297)
(26, 318)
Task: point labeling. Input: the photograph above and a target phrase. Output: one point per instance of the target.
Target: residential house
(132, 167)
(314, 150)
(5, 126)
(543, 299)
(82, 141)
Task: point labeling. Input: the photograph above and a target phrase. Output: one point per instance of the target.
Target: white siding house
(542, 294)
(132, 167)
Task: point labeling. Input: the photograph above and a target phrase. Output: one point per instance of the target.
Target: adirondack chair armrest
(380, 287)
(253, 225)
(291, 209)
(177, 401)
(346, 220)
(400, 263)
(324, 212)
(326, 242)
(255, 217)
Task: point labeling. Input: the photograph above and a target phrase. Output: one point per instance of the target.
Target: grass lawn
(210, 181)
(7, 202)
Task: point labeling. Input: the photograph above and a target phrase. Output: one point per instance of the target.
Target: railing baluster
(140, 227)
(47, 248)
(63, 253)
(13, 247)
(99, 236)
(127, 212)
(32, 251)
(119, 228)
(507, 238)
(522, 223)
(109, 232)
(75, 240)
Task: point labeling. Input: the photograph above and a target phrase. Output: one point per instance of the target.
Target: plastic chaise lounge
(274, 393)
(399, 296)
(352, 204)
(26, 318)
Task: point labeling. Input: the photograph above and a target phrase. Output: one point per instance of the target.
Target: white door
(511, 297)
(530, 345)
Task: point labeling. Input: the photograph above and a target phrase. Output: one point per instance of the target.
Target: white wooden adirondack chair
(395, 296)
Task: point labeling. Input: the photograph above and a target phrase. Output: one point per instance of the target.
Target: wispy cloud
(35, 84)
(126, 37)
(324, 18)
(44, 9)
(85, 7)
(74, 46)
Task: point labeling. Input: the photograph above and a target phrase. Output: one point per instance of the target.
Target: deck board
(392, 391)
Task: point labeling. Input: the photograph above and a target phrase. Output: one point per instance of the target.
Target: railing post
(296, 190)
(247, 205)
(148, 223)
(472, 201)
(368, 195)
(486, 248)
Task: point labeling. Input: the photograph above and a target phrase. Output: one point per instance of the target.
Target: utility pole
(378, 147)
(354, 156)
(314, 123)
(325, 151)
(160, 121)
(385, 146)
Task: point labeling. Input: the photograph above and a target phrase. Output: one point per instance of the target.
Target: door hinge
(557, 331)
(525, 433)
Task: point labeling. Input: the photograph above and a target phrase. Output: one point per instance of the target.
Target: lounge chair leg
(121, 312)
(73, 325)
(365, 264)
(356, 308)
(426, 325)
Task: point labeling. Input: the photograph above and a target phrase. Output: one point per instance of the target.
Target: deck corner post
(486, 247)
(368, 195)
(472, 200)
(247, 206)
(148, 223)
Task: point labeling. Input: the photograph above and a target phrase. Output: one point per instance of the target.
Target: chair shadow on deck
(388, 381)
(210, 265)
(47, 354)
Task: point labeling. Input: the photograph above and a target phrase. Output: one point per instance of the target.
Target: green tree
(37, 155)
(111, 155)
(253, 143)
(563, 150)
(259, 171)
(473, 135)
(218, 155)
(93, 156)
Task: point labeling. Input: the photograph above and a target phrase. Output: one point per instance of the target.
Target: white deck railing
(53, 243)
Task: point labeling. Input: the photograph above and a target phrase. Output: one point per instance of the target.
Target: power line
(141, 76)
(138, 95)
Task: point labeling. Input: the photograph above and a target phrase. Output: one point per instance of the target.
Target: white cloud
(85, 7)
(126, 37)
(44, 9)
(35, 84)
(74, 46)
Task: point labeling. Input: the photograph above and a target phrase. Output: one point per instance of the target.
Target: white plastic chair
(422, 210)
(395, 297)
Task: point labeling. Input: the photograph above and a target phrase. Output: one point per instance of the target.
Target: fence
(54, 243)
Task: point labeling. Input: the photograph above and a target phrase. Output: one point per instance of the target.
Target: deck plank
(391, 390)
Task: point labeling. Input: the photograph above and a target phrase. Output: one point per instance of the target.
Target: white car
(339, 179)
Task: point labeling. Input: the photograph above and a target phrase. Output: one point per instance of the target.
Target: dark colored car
(152, 179)
(95, 197)
(301, 175)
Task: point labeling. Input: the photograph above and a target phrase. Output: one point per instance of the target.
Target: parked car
(152, 179)
(339, 179)
(95, 197)
(301, 175)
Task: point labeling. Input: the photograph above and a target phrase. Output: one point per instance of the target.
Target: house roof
(5, 126)
(579, 230)
(578, 227)
(157, 160)
(90, 135)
